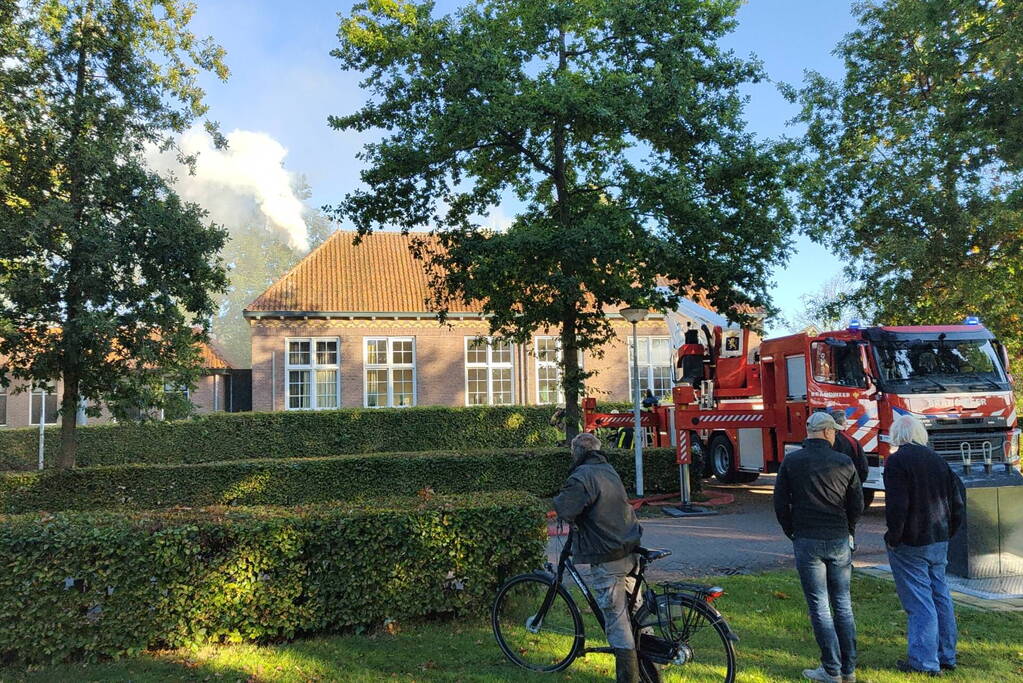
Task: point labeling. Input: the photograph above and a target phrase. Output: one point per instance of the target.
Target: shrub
(291, 434)
(313, 480)
(94, 585)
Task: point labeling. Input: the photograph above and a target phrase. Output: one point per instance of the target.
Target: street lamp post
(635, 315)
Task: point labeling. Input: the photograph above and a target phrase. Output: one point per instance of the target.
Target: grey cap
(839, 415)
(820, 421)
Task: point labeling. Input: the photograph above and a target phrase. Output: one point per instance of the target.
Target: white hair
(907, 429)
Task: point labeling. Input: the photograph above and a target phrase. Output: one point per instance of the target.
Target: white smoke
(227, 182)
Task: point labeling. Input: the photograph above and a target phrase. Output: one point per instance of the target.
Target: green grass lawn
(767, 611)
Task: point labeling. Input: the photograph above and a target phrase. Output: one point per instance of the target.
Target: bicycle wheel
(550, 646)
(704, 641)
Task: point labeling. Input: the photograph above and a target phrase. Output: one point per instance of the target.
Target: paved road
(744, 537)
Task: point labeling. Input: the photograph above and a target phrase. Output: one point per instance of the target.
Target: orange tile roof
(212, 359)
(379, 275)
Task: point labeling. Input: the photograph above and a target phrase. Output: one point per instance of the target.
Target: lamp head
(633, 315)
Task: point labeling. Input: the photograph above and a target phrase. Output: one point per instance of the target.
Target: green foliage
(616, 125)
(293, 434)
(105, 269)
(302, 481)
(914, 167)
(241, 436)
(95, 585)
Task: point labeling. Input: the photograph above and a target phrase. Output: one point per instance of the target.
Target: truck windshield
(934, 365)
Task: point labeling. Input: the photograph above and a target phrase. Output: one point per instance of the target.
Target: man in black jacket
(818, 500)
(845, 443)
(924, 508)
(606, 534)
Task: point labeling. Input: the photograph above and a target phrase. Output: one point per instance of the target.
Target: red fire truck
(744, 402)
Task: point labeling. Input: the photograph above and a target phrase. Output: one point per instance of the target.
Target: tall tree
(915, 161)
(257, 256)
(104, 270)
(616, 127)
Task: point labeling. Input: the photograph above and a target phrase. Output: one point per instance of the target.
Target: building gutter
(392, 315)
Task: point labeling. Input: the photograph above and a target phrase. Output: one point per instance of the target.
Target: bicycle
(539, 627)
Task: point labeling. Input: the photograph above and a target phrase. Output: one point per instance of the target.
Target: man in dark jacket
(818, 500)
(606, 534)
(924, 508)
(845, 443)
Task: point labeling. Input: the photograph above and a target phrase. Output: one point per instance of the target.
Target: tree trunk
(569, 349)
(570, 380)
(69, 422)
(71, 370)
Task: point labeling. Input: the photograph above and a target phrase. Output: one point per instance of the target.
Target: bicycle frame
(565, 563)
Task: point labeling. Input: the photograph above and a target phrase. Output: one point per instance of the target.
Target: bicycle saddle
(651, 554)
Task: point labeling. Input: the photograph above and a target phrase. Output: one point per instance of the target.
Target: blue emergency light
(854, 324)
(971, 320)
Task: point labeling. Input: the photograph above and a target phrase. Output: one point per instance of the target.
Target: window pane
(401, 352)
(547, 349)
(298, 352)
(3, 408)
(376, 351)
(326, 352)
(37, 407)
(376, 388)
(402, 389)
(502, 386)
(659, 352)
(662, 380)
(476, 352)
(548, 384)
(477, 386)
(298, 389)
(326, 389)
(644, 350)
(501, 351)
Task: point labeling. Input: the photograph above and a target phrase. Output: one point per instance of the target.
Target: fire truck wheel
(747, 477)
(868, 498)
(722, 456)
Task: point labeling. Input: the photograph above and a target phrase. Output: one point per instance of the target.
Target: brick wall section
(440, 359)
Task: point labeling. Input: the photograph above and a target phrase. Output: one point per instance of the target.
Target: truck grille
(948, 446)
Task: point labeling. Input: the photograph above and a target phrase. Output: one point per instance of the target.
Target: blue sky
(285, 83)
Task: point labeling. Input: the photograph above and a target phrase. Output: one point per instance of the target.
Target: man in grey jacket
(607, 532)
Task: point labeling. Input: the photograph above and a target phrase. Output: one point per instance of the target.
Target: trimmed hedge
(290, 434)
(86, 586)
(302, 481)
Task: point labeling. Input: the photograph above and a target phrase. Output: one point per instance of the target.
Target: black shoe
(948, 667)
(904, 667)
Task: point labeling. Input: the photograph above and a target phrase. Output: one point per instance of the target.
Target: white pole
(637, 434)
(42, 429)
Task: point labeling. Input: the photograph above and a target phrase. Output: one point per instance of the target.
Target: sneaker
(849, 678)
(948, 667)
(904, 667)
(819, 674)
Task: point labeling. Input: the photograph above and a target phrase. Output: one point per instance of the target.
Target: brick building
(24, 408)
(348, 326)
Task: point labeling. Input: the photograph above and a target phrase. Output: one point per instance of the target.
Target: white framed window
(654, 365)
(312, 373)
(489, 371)
(3, 406)
(548, 371)
(38, 398)
(389, 372)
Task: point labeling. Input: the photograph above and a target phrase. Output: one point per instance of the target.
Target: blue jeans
(919, 573)
(825, 570)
